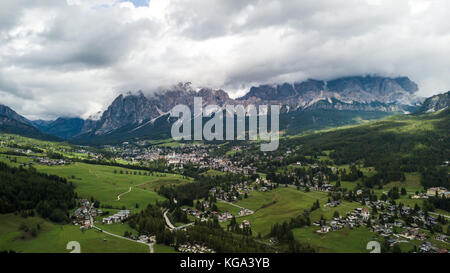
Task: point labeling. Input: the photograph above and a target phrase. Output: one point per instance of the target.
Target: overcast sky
(71, 58)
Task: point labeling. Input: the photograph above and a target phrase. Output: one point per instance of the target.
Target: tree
(403, 191)
(336, 214)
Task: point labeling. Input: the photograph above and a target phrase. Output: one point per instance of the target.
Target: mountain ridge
(360, 93)
(435, 103)
(136, 114)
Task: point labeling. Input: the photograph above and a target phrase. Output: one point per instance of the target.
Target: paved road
(184, 226)
(434, 213)
(232, 204)
(229, 203)
(172, 227)
(150, 246)
(169, 224)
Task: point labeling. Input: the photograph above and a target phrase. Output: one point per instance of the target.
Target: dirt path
(129, 190)
(118, 196)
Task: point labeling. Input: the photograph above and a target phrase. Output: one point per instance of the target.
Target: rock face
(137, 109)
(359, 89)
(351, 93)
(9, 113)
(13, 123)
(435, 103)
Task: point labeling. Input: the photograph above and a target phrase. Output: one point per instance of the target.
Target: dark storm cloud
(71, 58)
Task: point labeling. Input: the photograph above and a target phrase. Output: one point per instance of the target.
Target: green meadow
(170, 180)
(282, 204)
(53, 238)
(106, 183)
(342, 241)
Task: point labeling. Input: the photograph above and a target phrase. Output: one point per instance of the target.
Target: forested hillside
(26, 191)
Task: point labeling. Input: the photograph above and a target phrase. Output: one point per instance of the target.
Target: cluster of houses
(355, 218)
(386, 224)
(205, 215)
(333, 204)
(83, 215)
(316, 185)
(427, 247)
(183, 158)
(411, 233)
(225, 165)
(244, 224)
(438, 191)
(146, 239)
(202, 215)
(194, 248)
(224, 216)
(420, 196)
(229, 196)
(116, 218)
(245, 212)
(179, 156)
(51, 162)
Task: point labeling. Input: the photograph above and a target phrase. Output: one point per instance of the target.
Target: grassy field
(164, 249)
(63, 148)
(53, 238)
(105, 183)
(342, 241)
(224, 207)
(282, 204)
(155, 184)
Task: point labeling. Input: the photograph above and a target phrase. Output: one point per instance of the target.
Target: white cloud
(71, 58)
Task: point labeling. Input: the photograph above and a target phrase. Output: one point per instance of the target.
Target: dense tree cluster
(27, 190)
(384, 145)
(435, 177)
(149, 221)
(283, 233)
(213, 236)
(187, 193)
(440, 203)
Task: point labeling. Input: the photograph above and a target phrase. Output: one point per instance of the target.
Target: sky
(72, 58)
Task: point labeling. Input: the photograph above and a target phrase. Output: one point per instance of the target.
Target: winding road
(169, 224)
(118, 196)
(434, 213)
(150, 246)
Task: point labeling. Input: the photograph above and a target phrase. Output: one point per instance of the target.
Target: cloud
(71, 58)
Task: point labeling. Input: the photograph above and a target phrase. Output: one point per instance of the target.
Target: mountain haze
(308, 105)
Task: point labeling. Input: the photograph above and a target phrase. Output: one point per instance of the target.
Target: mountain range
(311, 104)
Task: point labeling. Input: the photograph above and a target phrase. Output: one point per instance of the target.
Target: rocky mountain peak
(435, 103)
(10, 113)
(362, 93)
